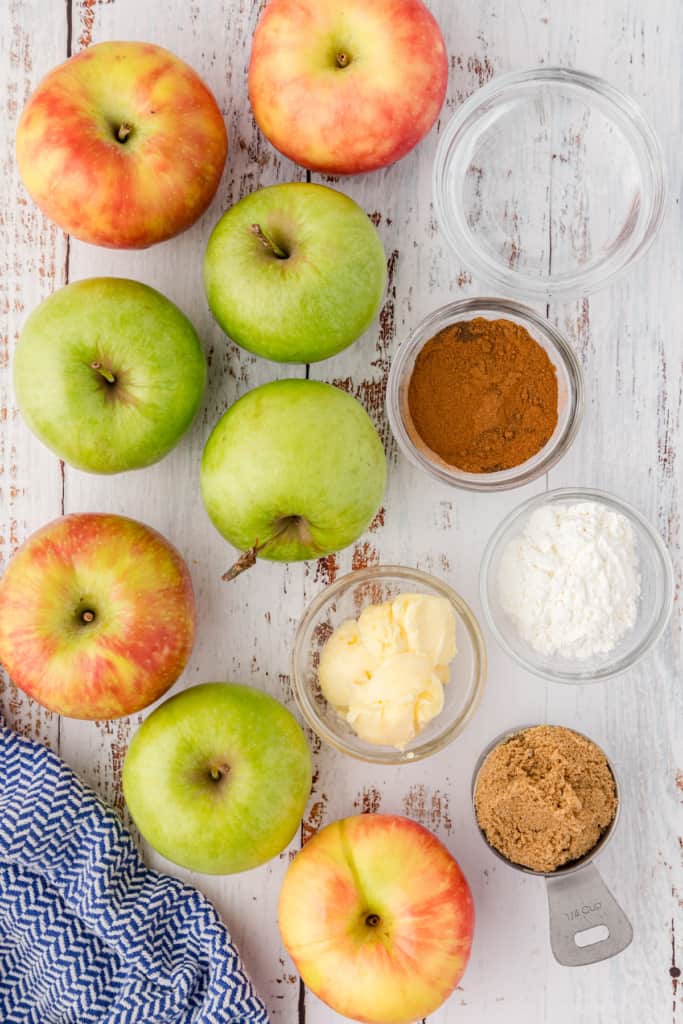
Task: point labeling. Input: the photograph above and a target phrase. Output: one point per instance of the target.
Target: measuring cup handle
(579, 901)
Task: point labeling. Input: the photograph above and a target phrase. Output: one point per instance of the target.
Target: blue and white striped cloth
(88, 934)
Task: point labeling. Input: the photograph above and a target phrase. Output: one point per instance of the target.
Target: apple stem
(123, 132)
(107, 374)
(87, 616)
(372, 920)
(343, 59)
(267, 242)
(244, 562)
(248, 558)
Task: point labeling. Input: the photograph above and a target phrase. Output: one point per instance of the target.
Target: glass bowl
(654, 605)
(570, 394)
(549, 182)
(345, 599)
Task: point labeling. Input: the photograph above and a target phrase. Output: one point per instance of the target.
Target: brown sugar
(483, 395)
(544, 797)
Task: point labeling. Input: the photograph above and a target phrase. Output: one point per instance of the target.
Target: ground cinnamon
(483, 395)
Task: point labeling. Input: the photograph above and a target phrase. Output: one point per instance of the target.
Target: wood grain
(32, 265)
(629, 341)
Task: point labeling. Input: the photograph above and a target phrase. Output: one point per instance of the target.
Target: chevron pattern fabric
(88, 934)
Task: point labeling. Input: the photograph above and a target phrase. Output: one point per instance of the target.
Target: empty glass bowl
(570, 394)
(548, 182)
(654, 604)
(345, 599)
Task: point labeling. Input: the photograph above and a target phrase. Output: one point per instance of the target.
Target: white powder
(571, 581)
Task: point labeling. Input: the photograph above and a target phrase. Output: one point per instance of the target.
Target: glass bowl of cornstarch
(576, 585)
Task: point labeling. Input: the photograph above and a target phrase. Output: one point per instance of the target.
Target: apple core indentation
(372, 920)
(218, 772)
(122, 132)
(268, 242)
(107, 375)
(295, 525)
(342, 58)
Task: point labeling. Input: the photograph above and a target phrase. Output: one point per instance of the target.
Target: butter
(380, 632)
(401, 697)
(384, 672)
(428, 624)
(346, 665)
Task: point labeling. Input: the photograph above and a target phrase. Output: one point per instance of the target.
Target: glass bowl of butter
(389, 664)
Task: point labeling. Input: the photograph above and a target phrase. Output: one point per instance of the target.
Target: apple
(295, 273)
(294, 469)
(378, 918)
(122, 145)
(108, 374)
(97, 616)
(217, 778)
(346, 88)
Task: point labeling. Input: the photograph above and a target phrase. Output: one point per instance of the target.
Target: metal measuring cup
(578, 899)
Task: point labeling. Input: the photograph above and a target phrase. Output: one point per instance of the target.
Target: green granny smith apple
(293, 470)
(109, 374)
(295, 273)
(217, 778)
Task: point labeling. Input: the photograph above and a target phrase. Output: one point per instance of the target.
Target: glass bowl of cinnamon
(485, 394)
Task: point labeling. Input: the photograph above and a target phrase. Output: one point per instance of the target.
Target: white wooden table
(630, 340)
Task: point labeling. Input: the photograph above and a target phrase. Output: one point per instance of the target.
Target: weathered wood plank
(633, 356)
(32, 264)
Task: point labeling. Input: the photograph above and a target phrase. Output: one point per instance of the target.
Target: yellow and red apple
(97, 616)
(122, 145)
(378, 918)
(344, 88)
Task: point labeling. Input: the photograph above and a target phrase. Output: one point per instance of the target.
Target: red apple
(346, 88)
(97, 616)
(378, 918)
(122, 145)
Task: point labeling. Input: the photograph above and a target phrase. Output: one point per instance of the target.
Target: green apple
(217, 778)
(109, 374)
(295, 272)
(293, 470)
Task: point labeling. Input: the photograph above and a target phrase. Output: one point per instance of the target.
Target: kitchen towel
(88, 934)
